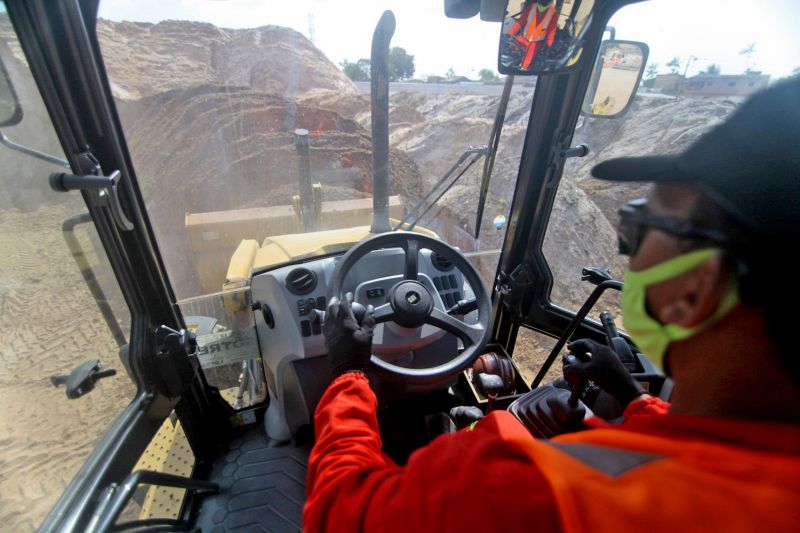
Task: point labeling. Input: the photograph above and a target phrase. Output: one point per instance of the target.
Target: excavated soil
(50, 324)
(212, 148)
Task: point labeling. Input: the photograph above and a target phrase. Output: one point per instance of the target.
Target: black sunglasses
(634, 221)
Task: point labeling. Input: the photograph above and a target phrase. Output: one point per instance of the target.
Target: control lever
(463, 307)
(490, 385)
(568, 414)
(617, 343)
(596, 275)
(83, 378)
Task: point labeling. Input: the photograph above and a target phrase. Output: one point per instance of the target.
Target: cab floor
(263, 488)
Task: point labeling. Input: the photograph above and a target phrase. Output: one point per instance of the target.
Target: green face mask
(651, 336)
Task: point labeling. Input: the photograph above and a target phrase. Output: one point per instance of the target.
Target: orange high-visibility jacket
(650, 473)
(536, 24)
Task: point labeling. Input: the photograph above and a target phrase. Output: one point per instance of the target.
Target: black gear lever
(617, 343)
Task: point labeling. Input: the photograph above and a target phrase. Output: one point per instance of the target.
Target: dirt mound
(347, 105)
(145, 59)
(452, 123)
(212, 148)
(654, 126)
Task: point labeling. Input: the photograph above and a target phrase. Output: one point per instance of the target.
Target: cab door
(94, 198)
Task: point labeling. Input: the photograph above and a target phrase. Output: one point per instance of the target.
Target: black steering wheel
(411, 304)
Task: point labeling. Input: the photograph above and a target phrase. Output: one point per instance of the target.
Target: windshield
(251, 122)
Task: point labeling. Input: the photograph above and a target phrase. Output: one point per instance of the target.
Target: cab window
(249, 130)
(50, 321)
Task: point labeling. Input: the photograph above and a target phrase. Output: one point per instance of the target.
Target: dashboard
(292, 346)
(290, 295)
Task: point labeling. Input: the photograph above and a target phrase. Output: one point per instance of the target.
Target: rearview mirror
(10, 110)
(542, 36)
(615, 78)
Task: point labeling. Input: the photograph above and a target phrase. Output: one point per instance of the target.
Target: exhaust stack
(306, 203)
(379, 94)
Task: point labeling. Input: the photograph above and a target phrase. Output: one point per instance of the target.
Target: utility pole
(689, 62)
(686, 70)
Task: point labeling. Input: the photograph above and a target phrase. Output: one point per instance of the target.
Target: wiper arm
(476, 154)
(494, 141)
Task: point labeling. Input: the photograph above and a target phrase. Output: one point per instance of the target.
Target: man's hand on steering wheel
(348, 332)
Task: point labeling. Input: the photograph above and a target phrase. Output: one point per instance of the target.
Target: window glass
(249, 121)
(49, 320)
(250, 131)
(531, 351)
(690, 84)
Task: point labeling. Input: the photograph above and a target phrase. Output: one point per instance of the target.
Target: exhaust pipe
(379, 93)
(307, 203)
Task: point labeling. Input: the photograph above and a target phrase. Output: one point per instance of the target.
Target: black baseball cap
(749, 164)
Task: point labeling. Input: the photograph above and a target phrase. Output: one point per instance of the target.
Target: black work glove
(603, 367)
(349, 337)
(464, 415)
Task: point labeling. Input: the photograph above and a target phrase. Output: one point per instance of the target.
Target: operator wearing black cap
(711, 293)
(712, 287)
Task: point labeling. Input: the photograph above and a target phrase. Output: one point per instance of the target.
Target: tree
(358, 71)
(748, 52)
(674, 65)
(487, 76)
(651, 71)
(450, 74)
(401, 64)
(712, 70)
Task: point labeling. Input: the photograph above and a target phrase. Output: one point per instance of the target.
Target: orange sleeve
(646, 406)
(469, 480)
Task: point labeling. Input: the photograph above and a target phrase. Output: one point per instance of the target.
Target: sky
(711, 31)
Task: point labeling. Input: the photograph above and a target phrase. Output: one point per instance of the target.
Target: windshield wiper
(476, 154)
(412, 218)
(494, 141)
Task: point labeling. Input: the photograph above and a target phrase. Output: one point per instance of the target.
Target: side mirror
(542, 36)
(10, 110)
(615, 78)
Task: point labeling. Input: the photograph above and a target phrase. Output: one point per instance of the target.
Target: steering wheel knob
(411, 302)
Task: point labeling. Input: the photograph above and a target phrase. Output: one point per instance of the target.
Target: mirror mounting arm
(31, 152)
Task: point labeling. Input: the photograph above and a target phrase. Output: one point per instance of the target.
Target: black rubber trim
(262, 488)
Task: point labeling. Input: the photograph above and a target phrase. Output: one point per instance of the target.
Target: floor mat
(262, 488)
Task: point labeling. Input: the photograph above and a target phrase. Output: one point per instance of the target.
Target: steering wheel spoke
(384, 313)
(411, 249)
(467, 333)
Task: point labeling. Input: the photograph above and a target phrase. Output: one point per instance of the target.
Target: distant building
(726, 85)
(669, 84)
(436, 79)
